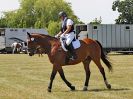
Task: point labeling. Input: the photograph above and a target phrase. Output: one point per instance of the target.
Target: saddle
(70, 49)
(75, 43)
(61, 46)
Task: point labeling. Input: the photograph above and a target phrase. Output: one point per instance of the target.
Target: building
(113, 37)
(11, 35)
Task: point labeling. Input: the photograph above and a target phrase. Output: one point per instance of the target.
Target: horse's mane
(47, 36)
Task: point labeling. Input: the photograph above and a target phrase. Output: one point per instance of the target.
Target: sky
(8, 5)
(86, 10)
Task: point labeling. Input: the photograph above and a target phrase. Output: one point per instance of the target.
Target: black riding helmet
(62, 13)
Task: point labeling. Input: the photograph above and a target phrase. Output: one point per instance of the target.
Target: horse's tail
(104, 57)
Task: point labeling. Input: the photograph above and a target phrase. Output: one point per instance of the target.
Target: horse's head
(32, 43)
(40, 43)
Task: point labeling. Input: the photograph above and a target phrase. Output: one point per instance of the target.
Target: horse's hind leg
(87, 71)
(98, 63)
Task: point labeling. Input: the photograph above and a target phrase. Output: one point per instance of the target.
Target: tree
(125, 8)
(53, 28)
(38, 14)
(2, 22)
(96, 21)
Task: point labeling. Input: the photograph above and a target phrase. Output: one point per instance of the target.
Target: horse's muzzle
(31, 52)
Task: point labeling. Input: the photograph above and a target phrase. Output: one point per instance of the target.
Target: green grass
(24, 77)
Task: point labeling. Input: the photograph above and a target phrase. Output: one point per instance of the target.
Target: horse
(90, 50)
(16, 47)
(24, 47)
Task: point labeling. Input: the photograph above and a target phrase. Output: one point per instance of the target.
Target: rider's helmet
(62, 14)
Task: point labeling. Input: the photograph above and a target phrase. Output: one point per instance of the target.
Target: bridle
(33, 50)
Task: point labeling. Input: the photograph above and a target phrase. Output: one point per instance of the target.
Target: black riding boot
(72, 52)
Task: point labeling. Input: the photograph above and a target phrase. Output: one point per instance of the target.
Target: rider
(67, 31)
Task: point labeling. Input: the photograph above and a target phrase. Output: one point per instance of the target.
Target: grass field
(24, 77)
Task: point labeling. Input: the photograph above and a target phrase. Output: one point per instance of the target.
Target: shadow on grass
(113, 89)
(119, 54)
(100, 90)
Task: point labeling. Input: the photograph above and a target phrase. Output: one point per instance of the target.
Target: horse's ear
(28, 34)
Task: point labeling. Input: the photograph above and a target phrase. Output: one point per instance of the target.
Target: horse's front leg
(54, 71)
(18, 50)
(61, 72)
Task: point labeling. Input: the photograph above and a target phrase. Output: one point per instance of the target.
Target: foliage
(53, 28)
(2, 22)
(125, 8)
(96, 21)
(38, 14)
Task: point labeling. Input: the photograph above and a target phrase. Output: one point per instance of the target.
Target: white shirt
(69, 22)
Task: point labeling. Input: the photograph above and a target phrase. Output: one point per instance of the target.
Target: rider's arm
(57, 35)
(69, 26)
(68, 29)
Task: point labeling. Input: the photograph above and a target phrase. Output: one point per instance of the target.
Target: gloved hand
(56, 36)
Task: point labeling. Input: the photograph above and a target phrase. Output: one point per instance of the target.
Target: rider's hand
(56, 36)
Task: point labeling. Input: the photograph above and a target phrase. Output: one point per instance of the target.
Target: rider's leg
(70, 47)
(72, 51)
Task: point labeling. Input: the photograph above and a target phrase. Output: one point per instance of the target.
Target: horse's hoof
(109, 86)
(49, 90)
(85, 88)
(72, 88)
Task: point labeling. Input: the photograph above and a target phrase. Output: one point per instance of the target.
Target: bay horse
(89, 50)
(16, 47)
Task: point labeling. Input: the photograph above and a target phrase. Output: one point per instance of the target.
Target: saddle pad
(76, 44)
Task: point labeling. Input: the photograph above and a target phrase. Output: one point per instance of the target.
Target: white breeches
(69, 37)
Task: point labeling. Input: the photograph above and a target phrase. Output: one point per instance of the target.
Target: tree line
(38, 14)
(44, 14)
